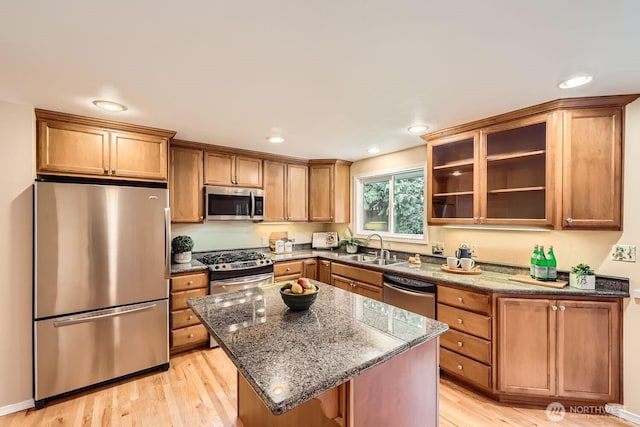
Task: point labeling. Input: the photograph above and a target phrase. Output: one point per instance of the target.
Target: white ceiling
(333, 77)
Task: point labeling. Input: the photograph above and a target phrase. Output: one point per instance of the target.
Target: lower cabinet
(360, 281)
(186, 330)
(559, 348)
(324, 271)
(310, 268)
(293, 270)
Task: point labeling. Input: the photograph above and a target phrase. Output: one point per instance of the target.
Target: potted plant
(351, 243)
(181, 247)
(582, 277)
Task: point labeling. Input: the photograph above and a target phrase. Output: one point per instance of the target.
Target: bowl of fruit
(300, 294)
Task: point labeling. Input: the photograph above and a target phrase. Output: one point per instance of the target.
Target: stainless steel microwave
(234, 204)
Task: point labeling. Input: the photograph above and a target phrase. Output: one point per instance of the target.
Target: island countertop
(289, 357)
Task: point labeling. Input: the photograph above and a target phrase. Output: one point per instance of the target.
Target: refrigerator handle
(167, 243)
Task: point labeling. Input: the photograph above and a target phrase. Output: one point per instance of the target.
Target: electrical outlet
(474, 251)
(625, 253)
(264, 240)
(437, 248)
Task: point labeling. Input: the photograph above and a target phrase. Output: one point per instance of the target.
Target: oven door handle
(232, 282)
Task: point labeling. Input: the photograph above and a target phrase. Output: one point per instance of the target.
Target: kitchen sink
(380, 261)
(358, 257)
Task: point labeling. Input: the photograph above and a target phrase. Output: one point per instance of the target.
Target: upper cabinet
(231, 170)
(286, 191)
(185, 184)
(329, 191)
(81, 146)
(557, 164)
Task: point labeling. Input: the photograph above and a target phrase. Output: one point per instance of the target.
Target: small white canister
(288, 246)
(279, 246)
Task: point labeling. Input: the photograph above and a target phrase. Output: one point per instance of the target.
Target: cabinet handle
(460, 321)
(459, 343)
(106, 170)
(562, 308)
(554, 308)
(460, 367)
(481, 219)
(475, 219)
(190, 317)
(569, 220)
(460, 299)
(113, 170)
(190, 336)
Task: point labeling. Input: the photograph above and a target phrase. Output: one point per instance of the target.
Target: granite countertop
(495, 278)
(289, 357)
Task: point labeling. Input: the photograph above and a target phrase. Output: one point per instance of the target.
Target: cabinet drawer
(189, 281)
(182, 318)
(465, 321)
(468, 300)
(189, 335)
(287, 268)
(179, 299)
(468, 345)
(360, 274)
(464, 367)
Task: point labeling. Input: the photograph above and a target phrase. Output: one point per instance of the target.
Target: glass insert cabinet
(500, 174)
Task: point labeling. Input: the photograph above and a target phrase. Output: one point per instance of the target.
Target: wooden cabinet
(324, 271)
(358, 280)
(500, 174)
(81, 146)
(559, 348)
(310, 268)
(329, 187)
(186, 330)
(592, 169)
(288, 270)
(465, 349)
(232, 170)
(555, 164)
(185, 185)
(286, 191)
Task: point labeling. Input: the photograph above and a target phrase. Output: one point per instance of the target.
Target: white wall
(17, 159)
(570, 247)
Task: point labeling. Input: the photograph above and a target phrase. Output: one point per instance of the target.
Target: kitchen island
(347, 361)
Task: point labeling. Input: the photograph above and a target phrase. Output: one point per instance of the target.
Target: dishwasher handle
(418, 302)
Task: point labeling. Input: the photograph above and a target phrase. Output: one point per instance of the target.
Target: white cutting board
(327, 239)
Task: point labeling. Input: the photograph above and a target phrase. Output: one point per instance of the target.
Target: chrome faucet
(382, 249)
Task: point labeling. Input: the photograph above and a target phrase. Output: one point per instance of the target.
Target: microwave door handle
(253, 205)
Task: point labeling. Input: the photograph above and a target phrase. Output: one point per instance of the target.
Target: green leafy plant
(181, 244)
(582, 270)
(350, 240)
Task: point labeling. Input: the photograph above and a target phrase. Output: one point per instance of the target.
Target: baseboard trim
(621, 412)
(15, 407)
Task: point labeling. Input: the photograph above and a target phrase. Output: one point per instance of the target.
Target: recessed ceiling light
(575, 81)
(276, 139)
(109, 106)
(417, 128)
(373, 150)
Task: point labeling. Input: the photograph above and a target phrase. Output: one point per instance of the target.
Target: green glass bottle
(552, 264)
(534, 256)
(541, 265)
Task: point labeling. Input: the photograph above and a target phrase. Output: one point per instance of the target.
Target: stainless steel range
(232, 271)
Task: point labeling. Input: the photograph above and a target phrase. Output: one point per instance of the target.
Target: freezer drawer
(76, 351)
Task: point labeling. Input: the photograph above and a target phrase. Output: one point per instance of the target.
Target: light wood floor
(200, 390)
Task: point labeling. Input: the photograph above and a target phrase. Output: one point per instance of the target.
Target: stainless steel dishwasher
(416, 295)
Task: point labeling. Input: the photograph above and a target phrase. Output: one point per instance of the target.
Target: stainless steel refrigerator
(101, 288)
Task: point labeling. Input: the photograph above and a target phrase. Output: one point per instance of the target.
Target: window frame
(358, 204)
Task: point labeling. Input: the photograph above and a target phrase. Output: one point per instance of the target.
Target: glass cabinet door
(453, 178)
(515, 189)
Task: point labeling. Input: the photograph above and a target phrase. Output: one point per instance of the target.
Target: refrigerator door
(81, 350)
(98, 246)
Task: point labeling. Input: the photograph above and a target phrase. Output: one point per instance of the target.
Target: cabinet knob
(352, 285)
(459, 343)
(562, 308)
(106, 170)
(460, 299)
(460, 367)
(569, 220)
(190, 282)
(113, 170)
(475, 219)
(554, 308)
(201, 218)
(288, 269)
(460, 321)
(190, 317)
(481, 219)
(190, 336)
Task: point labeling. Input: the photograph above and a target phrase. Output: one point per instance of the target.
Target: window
(391, 204)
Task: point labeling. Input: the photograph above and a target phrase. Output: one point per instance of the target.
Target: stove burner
(234, 260)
